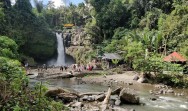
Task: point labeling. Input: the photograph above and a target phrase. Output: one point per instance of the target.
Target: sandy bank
(125, 78)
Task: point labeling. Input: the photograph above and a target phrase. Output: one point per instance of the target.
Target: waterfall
(60, 48)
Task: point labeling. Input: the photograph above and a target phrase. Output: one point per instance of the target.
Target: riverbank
(153, 97)
(149, 101)
(125, 78)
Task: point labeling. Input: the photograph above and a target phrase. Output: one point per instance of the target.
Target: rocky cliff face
(78, 45)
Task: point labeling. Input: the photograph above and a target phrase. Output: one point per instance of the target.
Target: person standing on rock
(46, 67)
(65, 67)
(61, 68)
(74, 67)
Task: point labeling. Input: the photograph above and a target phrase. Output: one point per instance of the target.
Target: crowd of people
(71, 68)
(77, 67)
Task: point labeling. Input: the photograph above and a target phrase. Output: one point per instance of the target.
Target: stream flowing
(163, 102)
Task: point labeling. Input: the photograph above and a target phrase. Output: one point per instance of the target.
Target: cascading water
(60, 48)
(60, 60)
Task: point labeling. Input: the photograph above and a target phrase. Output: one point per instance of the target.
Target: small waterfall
(60, 59)
(60, 48)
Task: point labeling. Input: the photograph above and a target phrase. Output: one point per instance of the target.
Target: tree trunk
(106, 100)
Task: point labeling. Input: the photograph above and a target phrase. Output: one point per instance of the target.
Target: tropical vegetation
(141, 31)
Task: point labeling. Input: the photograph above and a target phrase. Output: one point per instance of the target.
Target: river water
(163, 102)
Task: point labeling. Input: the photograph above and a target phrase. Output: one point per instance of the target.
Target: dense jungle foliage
(28, 29)
(142, 31)
(15, 94)
(23, 34)
(155, 26)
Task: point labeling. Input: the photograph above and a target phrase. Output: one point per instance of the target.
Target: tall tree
(23, 5)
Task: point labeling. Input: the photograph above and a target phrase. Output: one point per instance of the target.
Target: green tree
(133, 53)
(8, 47)
(111, 15)
(23, 5)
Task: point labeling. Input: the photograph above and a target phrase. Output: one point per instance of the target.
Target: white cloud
(13, 2)
(58, 3)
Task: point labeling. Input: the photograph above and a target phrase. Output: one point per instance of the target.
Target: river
(163, 102)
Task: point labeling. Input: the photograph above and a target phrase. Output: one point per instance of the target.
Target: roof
(174, 57)
(111, 56)
(68, 25)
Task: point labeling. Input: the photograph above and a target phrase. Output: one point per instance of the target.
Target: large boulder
(128, 96)
(54, 92)
(67, 97)
(62, 94)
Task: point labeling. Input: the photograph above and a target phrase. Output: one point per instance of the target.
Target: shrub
(15, 95)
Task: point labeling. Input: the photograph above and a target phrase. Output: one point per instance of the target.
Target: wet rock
(136, 77)
(117, 102)
(153, 98)
(100, 97)
(91, 98)
(142, 80)
(67, 97)
(88, 98)
(85, 98)
(114, 97)
(112, 102)
(162, 91)
(54, 93)
(128, 96)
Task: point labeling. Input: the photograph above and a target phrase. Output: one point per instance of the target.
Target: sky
(57, 3)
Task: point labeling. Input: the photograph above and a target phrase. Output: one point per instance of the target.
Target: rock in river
(100, 97)
(128, 96)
